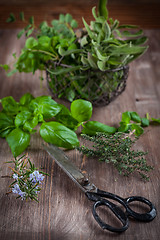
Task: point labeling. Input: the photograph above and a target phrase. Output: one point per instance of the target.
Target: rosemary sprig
(27, 179)
(116, 149)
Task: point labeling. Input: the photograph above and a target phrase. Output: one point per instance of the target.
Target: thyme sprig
(117, 150)
(27, 179)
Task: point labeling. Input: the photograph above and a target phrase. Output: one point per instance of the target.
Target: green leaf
(18, 141)
(81, 110)
(22, 117)
(68, 18)
(144, 122)
(58, 134)
(31, 42)
(10, 105)
(138, 129)
(74, 23)
(126, 117)
(20, 33)
(46, 106)
(102, 9)
(63, 70)
(5, 67)
(11, 18)
(68, 121)
(31, 20)
(26, 99)
(31, 123)
(21, 14)
(135, 117)
(6, 124)
(157, 120)
(93, 127)
(124, 127)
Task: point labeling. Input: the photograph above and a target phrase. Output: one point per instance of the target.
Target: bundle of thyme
(27, 179)
(116, 149)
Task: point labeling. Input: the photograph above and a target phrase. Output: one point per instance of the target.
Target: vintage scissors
(101, 197)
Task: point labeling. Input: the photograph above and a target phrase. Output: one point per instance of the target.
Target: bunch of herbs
(103, 45)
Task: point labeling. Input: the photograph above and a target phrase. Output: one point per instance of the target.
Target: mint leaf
(138, 129)
(18, 141)
(59, 135)
(135, 117)
(144, 122)
(93, 127)
(81, 110)
(126, 117)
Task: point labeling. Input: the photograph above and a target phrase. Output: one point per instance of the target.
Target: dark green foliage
(117, 150)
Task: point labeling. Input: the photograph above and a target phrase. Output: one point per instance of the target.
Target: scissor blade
(69, 168)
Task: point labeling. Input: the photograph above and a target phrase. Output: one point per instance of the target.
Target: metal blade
(69, 168)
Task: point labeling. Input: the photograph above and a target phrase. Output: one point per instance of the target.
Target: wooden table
(63, 212)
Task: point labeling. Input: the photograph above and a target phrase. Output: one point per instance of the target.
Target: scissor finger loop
(117, 212)
(145, 217)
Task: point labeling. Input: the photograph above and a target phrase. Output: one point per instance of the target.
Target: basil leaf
(22, 117)
(68, 121)
(6, 124)
(31, 123)
(10, 105)
(81, 110)
(26, 99)
(18, 141)
(58, 134)
(46, 106)
(93, 127)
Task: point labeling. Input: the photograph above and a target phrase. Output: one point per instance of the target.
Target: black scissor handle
(145, 217)
(99, 201)
(117, 212)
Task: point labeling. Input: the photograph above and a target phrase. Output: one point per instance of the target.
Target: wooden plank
(144, 14)
(63, 212)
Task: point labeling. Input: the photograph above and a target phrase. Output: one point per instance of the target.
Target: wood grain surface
(144, 13)
(63, 212)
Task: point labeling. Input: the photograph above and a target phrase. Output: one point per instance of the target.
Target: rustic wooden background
(63, 212)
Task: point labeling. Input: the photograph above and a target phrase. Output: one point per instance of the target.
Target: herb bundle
(27, 179)
(79, 62)
(117, 150)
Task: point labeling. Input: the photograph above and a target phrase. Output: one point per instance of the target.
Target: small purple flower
(15, 176)
(16, 189)
(36, 177)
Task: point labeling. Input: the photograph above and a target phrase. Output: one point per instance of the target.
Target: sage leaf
(81, 110)
(18, 141)
(59, 135)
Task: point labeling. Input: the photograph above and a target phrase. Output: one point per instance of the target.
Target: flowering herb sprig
(27, 179)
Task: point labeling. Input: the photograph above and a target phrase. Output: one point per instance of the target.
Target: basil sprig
(58, 124)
